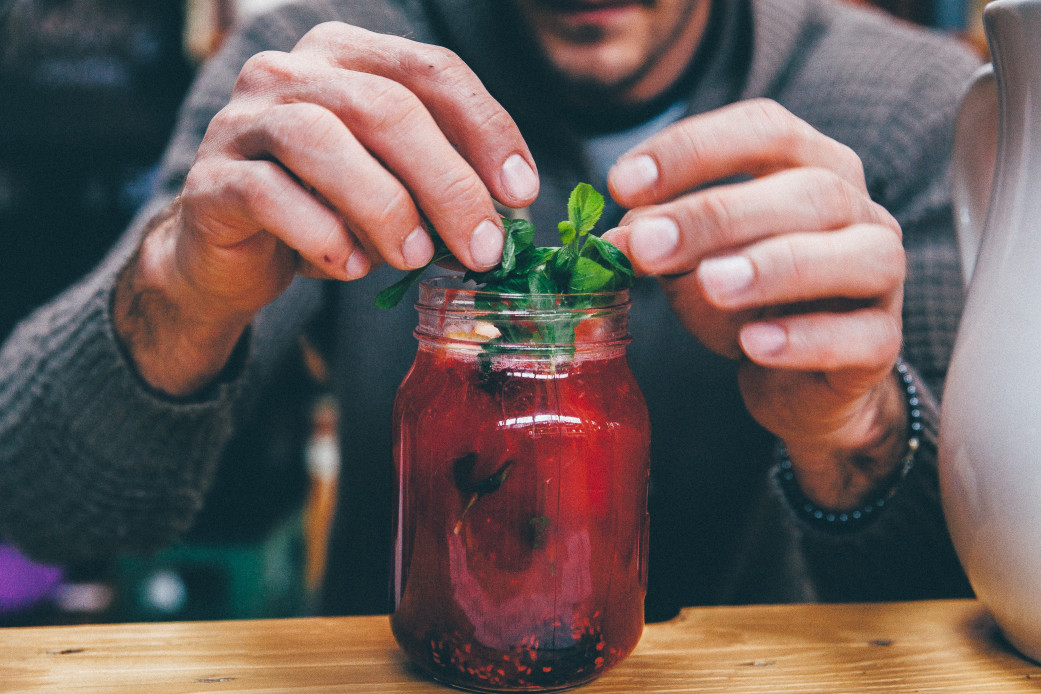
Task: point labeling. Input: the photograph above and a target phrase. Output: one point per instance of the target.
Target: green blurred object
(257, 579)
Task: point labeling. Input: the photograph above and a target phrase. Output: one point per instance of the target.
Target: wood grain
(939, 646)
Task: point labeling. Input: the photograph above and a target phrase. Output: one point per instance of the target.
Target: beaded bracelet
(850, 521)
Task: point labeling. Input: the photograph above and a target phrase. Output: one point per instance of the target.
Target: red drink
(521, 533)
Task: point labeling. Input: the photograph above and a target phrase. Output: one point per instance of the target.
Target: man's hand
(788, 266)
(323, 163)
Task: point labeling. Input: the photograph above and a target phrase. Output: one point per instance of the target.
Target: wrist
(844, 471)
(869, 505)
(178, 338)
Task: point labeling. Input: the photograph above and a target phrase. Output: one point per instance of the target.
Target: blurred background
(89, 91)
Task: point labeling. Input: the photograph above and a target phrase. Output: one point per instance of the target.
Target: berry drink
(521, 526)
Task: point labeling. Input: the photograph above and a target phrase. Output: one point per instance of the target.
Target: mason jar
(521, 446)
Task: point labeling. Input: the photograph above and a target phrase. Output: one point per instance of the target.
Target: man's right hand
(321, 163)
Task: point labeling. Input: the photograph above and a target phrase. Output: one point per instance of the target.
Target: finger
(357, 266)
(866, 339)
(473, 121)
(860, 262)
(265, 197)
(393, 125)
(619, 238)
(731, 216)
(715, 329)
(319, 150)
(752, 138)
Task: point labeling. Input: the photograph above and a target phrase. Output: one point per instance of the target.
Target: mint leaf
(541, 283)
(568, 232)
(462, 471)
(583, 263)
(607, 254)
(561, 264)
(589, 276)
(584, 208)
(392, 295)
(520, 234)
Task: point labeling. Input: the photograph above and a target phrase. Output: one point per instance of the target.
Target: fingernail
(634, 175)
(486, 244)
(417, 249)
(761, 340)
(357, 265)
(519, 178)
(726, 278)
(653, 239)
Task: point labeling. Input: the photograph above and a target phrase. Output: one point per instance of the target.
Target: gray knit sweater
(93, 463)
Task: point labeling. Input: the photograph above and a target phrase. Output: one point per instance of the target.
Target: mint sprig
(583, 263)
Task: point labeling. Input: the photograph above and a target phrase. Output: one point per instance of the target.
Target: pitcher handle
(974, 157)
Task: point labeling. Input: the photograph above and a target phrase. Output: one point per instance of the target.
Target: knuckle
(260, 187)
(830, 200)
(384, 105)
(463, 189)
(775, 122)
(263, 71)
(227, 119)
(331, 39)
(396, 214)
(323, 33)
(688, 143)
(434, 62)
(892, 335)
(716, 214)
(849, 160)
(789, 262)
(460, 195)
(893, 258)
(489, 116)
(301, 122)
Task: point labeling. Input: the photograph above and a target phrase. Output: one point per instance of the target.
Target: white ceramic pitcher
(990, 432)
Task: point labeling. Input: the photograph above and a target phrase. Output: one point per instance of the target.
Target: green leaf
(539, 530)
(608, 255)
(541, 283)
(520, 234)
(582, 263)
(584, 208)
(392, 295)
(492, 482)
(567, 232)
(589, 276)
(561, 264)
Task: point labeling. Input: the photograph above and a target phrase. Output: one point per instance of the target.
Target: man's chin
(596, 76)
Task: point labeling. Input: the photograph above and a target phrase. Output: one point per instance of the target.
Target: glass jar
(521, 448)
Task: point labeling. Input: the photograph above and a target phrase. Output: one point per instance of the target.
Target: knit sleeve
(91, 460)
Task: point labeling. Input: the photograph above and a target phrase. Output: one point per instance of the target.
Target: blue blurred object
(950, 14)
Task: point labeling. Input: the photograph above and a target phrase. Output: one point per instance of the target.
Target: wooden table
(943, 646)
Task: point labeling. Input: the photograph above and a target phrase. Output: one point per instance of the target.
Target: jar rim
(452, 311)
(432, 291)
